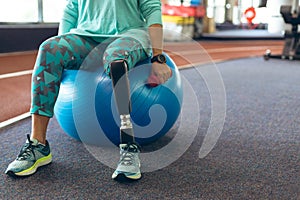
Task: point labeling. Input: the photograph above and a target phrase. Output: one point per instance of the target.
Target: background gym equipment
(291, 49)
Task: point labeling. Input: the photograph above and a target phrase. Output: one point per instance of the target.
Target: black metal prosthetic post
(121, 88)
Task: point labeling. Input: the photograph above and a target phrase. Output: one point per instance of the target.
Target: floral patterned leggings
(68, 52)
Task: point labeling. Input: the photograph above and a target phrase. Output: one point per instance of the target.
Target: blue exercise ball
(85, 108)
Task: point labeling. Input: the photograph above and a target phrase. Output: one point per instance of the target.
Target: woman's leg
(55, 55)
(128, 49)
(120, 56)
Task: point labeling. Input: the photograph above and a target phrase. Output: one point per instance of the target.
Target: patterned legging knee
(68, 52)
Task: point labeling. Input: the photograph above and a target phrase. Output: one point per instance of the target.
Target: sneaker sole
(39, 163)
(126, 176)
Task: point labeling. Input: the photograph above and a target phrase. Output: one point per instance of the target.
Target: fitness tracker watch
(160, 58)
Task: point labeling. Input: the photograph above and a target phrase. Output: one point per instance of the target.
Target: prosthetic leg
(129, 163)
(118, 73)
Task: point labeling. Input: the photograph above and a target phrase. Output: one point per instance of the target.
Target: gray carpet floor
(257, 155)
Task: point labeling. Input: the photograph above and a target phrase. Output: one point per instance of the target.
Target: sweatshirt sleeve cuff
(155, 18)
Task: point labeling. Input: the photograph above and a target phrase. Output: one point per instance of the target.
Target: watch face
(161, 59)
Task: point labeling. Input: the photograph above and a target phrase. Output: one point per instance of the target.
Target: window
(30, 11)
(18, 10)
(52, 10)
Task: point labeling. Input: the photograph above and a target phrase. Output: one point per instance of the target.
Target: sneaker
(32, 155)
(129, 163)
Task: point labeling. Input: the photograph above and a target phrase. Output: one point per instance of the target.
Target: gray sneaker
(129, 163)
(32, 155)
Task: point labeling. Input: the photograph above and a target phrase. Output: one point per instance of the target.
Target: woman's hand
(160, 73)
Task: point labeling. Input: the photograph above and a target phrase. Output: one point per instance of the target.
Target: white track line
(15, 74)
(14, 120)
(19, 117)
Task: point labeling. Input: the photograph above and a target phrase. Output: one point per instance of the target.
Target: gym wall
(24, 37)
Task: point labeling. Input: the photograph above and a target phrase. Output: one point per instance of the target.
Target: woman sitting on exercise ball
(134, 28)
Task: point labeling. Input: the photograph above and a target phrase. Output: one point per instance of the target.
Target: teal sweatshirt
(101, 19)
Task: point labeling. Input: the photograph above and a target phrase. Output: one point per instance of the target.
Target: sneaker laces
(128, 153)
(27, 150)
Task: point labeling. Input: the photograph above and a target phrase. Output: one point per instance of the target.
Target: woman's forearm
(156, 38)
